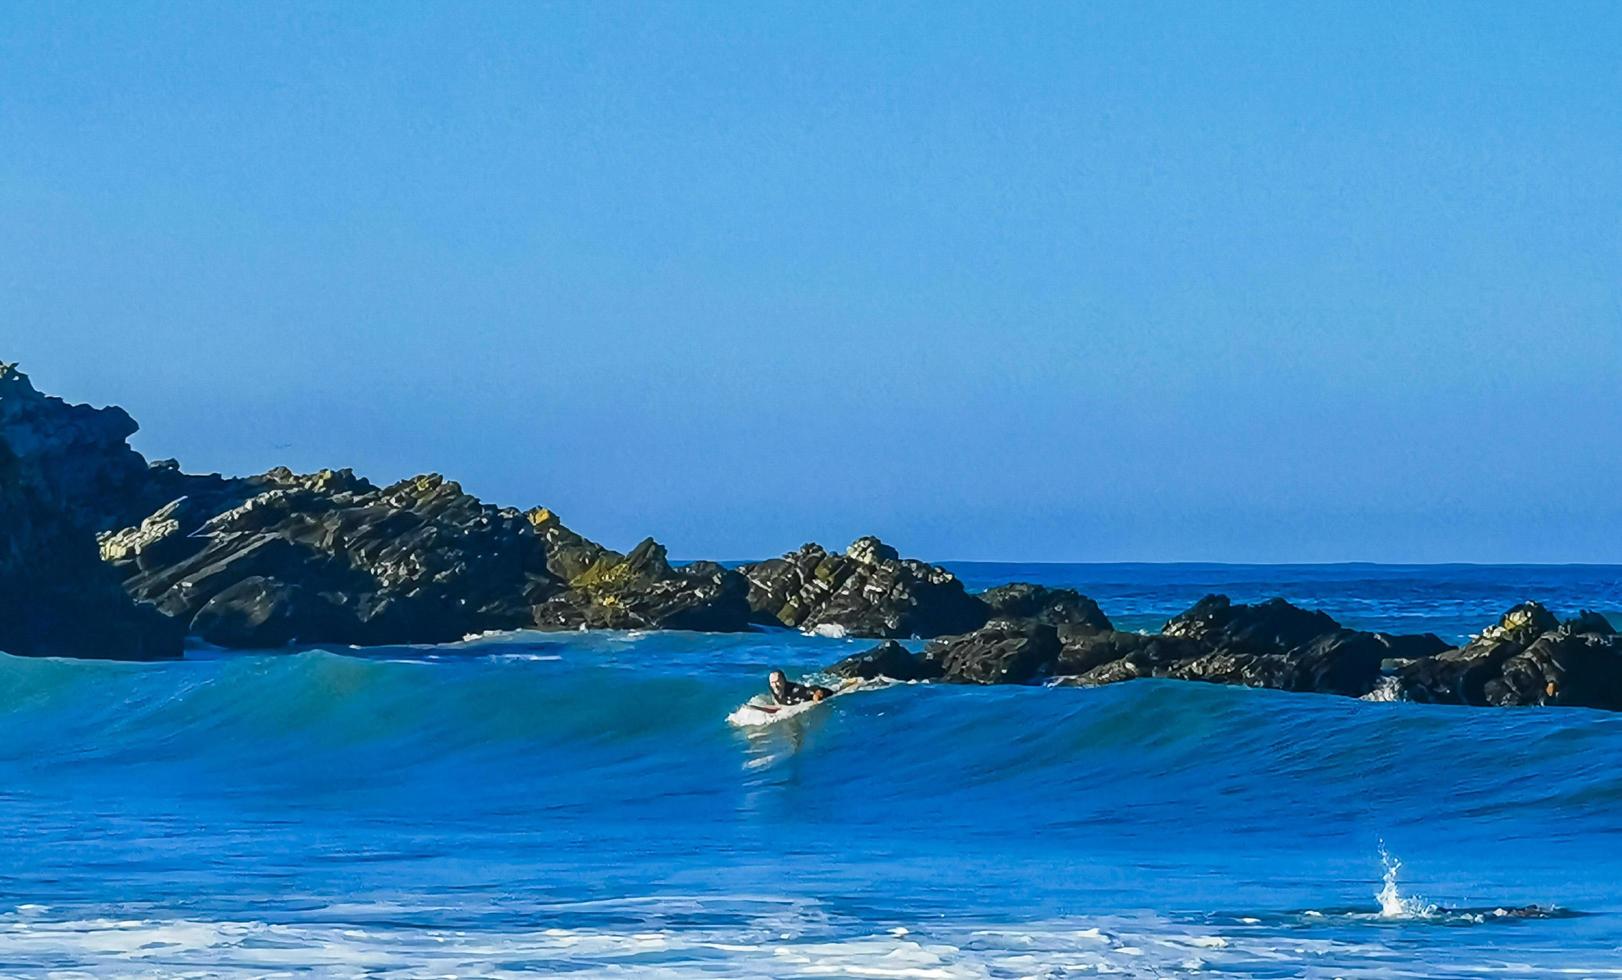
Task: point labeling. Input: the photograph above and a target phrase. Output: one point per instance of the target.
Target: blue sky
(1236, 282)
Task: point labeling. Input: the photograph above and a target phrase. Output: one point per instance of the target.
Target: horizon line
(1228, 564)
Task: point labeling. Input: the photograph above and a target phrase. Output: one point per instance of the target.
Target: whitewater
(579, 804)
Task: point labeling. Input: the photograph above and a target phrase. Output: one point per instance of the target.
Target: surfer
(786, 692)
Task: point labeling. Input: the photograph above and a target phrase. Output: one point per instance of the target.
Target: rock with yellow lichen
(642, 590)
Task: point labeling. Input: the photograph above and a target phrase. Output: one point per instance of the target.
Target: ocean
(578, 805)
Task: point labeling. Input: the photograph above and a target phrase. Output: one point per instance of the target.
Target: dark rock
(1565, 668)
(262, 613)
(888, 659)
(1528, 657)
(1274, 626)
(81, 453)
(641, 590)
(1349, 661)
(1344, 662)
(419, 561)
(330, 558)
(1056, 607)
(1107, 658)
(1001, 652)
(868, 591)
(56, 596)
(1591, 623)
(1273, 644)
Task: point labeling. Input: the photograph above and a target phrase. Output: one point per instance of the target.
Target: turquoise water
(578, 804)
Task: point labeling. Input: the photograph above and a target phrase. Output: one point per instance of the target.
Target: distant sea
(578, 805)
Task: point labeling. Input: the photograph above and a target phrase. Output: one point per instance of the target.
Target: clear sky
(1233, 282)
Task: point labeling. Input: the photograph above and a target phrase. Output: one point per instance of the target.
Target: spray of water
(1393, 904)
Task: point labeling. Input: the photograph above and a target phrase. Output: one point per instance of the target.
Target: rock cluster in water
(105, 555)
(1529, 657)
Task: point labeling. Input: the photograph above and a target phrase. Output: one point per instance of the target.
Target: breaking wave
(527, 802)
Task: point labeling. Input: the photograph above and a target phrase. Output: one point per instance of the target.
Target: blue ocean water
(578, 804)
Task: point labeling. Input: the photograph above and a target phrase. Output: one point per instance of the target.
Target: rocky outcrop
(867, 591)
(79, 452)
(641, 590)
(282, 558)
(56, 596)
(330, 558)
(1038, 603)
(1527, 658)
(889, 659)
(1341, 661)
(1273, 626)
(1001, 652)
(1271, 644)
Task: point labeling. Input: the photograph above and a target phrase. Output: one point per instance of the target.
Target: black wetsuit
(793, 693)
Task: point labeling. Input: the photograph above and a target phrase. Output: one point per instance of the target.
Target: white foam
(748, 938)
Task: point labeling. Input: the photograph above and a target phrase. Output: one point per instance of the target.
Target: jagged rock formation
(1528, 657)
(56, 597)
(1038, 603)
(867, 591)
(641, 590)
(1001, 652)
(281, 558)
(889, 659)
(331, 558)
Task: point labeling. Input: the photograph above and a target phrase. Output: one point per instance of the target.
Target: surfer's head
(776, 681)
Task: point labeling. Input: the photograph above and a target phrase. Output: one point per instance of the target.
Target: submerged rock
(867, 591)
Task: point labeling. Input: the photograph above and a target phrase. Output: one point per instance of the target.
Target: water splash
(1393, 904)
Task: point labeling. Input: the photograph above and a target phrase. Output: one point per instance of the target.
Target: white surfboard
(759, 711)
